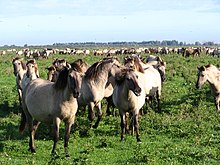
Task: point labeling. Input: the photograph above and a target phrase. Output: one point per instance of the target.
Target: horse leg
(91, 114)
(108, 113)
(217, 99)
(136, 126)
(31, 135)
(20, 96)
(67, 135)
(98, 107)
(127, 122)
(158, 101)
(56, 124)
(122, 115)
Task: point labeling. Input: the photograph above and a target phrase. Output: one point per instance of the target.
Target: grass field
(186, 132)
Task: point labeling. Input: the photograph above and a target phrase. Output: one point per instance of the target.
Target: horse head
(18, 65)
(75, 81)
(202, 77)
(129, 76)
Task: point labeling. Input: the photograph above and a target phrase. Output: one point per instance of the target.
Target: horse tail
(23, 122)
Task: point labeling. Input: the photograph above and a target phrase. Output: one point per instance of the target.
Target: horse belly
(39, 102)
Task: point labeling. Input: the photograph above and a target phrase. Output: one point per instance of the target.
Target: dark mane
(75, 66)
(136, 62)
(138, 65)
(62, 79)
(92, 71)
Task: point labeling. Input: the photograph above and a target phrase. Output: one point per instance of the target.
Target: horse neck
(65, 94)
(102, 78)
(214, 79)
(124, 89)
(21, 73)
(33, 76)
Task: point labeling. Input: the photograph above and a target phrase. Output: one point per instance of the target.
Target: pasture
(187, 131)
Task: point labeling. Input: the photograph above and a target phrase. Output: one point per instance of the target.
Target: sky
(42, 22)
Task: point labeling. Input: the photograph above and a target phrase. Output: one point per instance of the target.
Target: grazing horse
(20, 70)
(192, 51)
(129, 97)
(94, 86)
(211, 74)
(49, 102)
(31, 74)
(150, 77)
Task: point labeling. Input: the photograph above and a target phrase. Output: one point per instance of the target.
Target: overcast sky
(39, 22)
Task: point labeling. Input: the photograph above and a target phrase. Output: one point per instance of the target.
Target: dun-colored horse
(45, 101)
(94, 86)
(31, 74)
(150, 76)
(211, 74)
(20, 70)
(129, 97)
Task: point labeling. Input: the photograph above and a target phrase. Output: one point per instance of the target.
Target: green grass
(186, 132)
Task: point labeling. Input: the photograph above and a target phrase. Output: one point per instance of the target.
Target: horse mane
(75, 66)
(92, 71)
(120, 77)
(136, 61)
(78, 65)
(62, 79)
(51, 68)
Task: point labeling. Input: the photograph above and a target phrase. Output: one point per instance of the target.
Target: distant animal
(20, 70)
(129, 97)
(94, 86)
(211, 74)
(192, 51)
(49, 102)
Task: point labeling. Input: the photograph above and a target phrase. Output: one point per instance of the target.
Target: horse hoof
(32, 150)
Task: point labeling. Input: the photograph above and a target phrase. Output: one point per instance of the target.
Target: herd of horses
(72, 86)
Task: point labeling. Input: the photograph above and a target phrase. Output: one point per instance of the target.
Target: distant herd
(75, 85)
(45, 52)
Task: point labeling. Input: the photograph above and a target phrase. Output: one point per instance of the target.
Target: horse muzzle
(137, 91)
(198, 86)
(76, 94)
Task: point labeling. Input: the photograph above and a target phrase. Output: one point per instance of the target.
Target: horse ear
(202, 68)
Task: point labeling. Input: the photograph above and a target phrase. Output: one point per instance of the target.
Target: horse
(192, 51)
(20, 70)
(31, 74)
(52, 73)
(128, 96)
(211, 74)
(158, 64)
(94, 83)
(57, 66)
(51, 102)
(150, 77)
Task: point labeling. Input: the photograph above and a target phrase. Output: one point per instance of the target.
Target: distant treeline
(120, 44)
